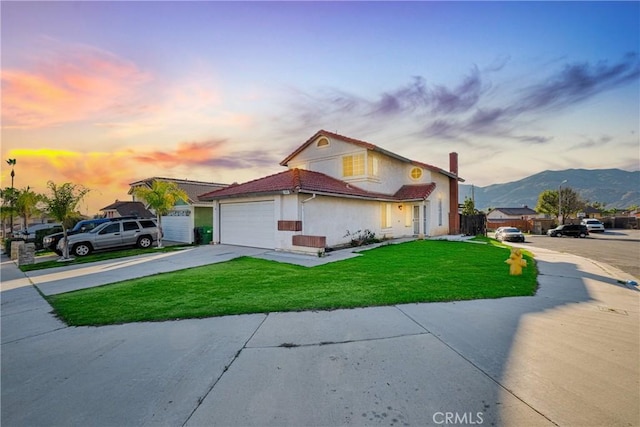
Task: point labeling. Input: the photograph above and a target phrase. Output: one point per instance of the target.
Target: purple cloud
(466, 109)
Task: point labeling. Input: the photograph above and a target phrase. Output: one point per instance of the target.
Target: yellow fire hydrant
(516, 262)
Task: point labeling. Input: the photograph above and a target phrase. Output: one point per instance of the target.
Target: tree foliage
(27, 204)
(161, 197)
(9, 197)
(549, 202)
(469, 207)
(62, 205)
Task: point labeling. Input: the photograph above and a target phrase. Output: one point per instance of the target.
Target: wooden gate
(473, 225)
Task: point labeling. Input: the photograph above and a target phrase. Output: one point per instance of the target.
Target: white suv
(593, 225)
(109, 235)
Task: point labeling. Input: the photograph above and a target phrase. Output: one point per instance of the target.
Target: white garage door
(248, 224)
(177, 229)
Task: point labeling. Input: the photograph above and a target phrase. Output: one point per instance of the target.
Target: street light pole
(12, 163)
(560, 201)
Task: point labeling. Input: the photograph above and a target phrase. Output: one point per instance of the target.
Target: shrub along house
(333, 185)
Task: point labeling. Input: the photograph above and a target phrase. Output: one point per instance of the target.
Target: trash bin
(197, 235)
(206, 235)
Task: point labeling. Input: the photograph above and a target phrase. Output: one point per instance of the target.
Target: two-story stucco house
(334, 185)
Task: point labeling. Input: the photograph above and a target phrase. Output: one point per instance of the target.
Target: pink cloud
(71, 84)
(185, 153)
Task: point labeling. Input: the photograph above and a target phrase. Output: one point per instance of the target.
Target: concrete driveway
(567, 356)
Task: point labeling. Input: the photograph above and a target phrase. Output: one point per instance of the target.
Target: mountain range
(615, 188)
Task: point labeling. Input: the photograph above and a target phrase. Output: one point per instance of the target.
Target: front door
(416, 220)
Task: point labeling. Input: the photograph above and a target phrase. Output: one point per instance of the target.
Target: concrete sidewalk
(568, 356)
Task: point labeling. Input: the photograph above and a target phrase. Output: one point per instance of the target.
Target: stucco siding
(203, 216)
(335, 149)
(333, 217)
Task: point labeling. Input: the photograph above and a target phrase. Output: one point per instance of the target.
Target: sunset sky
(104, 94)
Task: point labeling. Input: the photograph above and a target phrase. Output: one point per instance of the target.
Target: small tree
(161, 197)
(27, 202)
(469, 207)
(62, 204)
(9, 196)
(549, 202)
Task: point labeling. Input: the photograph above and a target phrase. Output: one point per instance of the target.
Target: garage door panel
(248, 224)
(177, 229)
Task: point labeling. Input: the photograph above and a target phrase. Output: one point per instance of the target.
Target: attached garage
(248, 224)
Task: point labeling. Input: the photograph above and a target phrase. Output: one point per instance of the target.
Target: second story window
(353, 165)
(416, 173)
(322, 142)
(373, 165)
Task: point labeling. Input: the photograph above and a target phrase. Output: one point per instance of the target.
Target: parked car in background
(113, 234)
(509, 234)
(51, 241)
(575, 230)
(499, 229)
(29, 233)
(593, 225)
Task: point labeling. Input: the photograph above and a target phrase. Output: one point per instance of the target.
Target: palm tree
(161, 197)
(7, 209)
(12, 163)
(62, 205)
(27, 204)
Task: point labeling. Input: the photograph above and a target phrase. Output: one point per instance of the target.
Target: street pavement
(570, 355)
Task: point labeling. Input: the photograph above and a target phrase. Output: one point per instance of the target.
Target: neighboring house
(506, 214)
(180, 223)
(118, 209)
(591, 212)
(334, 185)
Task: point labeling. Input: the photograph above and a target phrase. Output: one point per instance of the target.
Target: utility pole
(473, 195)
(560, 201)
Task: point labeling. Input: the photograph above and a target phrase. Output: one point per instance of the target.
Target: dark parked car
(114, 234)
(575, 230)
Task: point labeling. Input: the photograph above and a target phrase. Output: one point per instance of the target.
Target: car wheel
(145, 242)
(82, 249)
(558, 234)
(582, 235)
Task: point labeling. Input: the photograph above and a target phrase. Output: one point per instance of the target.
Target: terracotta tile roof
(415, 192)
(368, 146)
(304, 181)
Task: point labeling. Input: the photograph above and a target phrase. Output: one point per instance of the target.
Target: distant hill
(615, 188)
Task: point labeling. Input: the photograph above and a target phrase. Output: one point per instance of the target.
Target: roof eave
(349, 196)
(250, 194)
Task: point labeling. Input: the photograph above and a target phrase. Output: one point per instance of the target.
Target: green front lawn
(420, 271)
